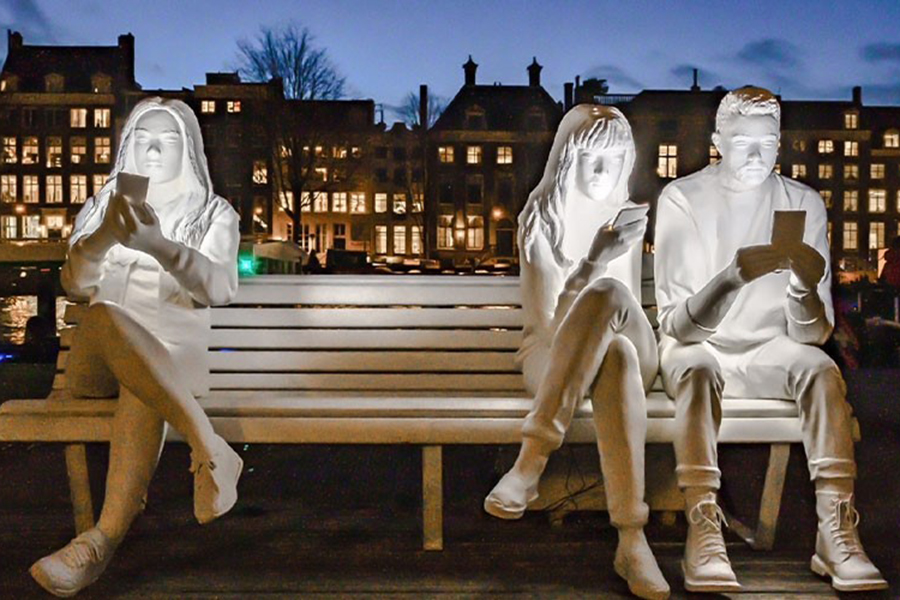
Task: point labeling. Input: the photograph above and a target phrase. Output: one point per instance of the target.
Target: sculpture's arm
(81, 272)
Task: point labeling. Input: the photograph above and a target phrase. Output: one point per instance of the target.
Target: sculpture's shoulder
(220, 209)
(796, 190)
(690, 188)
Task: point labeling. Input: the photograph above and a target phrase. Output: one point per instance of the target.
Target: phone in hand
(787, 228)
(133, 188)
(629, 215)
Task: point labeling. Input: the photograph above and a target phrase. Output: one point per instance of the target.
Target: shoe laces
(708, 518)
(81, 551)
(843, 526)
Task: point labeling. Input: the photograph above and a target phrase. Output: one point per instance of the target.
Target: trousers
(699, 376)
(605, 348)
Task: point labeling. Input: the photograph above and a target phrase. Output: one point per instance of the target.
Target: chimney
(568, 94)
(470, 67)
(13, 40)
(534, 73)
(857, 95)
(696, 86)
(423, 106)
(126, 45)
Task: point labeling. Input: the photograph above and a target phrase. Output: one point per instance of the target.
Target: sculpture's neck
(160, 195)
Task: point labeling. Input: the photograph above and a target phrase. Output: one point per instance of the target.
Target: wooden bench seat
(424, 360)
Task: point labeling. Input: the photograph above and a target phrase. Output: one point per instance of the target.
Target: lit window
(851, 148)
(339, 202)
(445, 154)
(102, 150)
(260, 172)
(322, 173)
(667, 165)
(30, 189)
(55, 222)
(892, 138)
(504, 155)
(99, 182)
(876, 235)
(898, 200)
(445, 232)
(381, 239)
(714, 155)
(826, 146)
(778, 168)
(30, 152)
(416, 245)
(851, 200)
(473, 155)
(418, 202)
(339, 152)
(320, 202)
(207, 107)
(31, 226)
(851, 120)
(78, 189)
(827, 197)
(829, 232)
(79, 149)
(798, 171)
(54, 189)
(233, 106)
(9, 188)
(78, 118)
(355, 152)
(9, 227)
(102, 117)
(10, 151)
(826, 171)
(399, 239)
(876, 170)
(799, 145)
(877, 200)
(399, 204)
(380, 203)
(851, 172)
(851, 232)
(358, 203)
(54, 152)
(474, 233)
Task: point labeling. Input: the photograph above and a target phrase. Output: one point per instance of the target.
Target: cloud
(615, 76)
(771, 53)
(881, 93)
(26, 17)
(881, 52)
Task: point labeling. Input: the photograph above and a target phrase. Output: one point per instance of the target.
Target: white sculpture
(740, 317)
(150, 269)
(585, 331)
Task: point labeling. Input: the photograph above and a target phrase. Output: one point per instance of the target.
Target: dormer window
(54, 82)
(101, 83)
(851, 120)
(475, 118)
(892, 138)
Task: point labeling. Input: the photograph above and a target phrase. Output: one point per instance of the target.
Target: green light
(246, 265)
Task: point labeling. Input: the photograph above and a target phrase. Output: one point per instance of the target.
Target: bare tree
(408, 111)
(290, 53)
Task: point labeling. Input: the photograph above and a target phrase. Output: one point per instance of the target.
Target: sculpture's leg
(79, 487)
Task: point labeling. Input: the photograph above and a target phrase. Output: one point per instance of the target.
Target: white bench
(424, 360)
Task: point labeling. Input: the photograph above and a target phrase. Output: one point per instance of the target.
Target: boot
(636, 564)
(839, 553)
(706, 566)
(76, 565)
(215, 481)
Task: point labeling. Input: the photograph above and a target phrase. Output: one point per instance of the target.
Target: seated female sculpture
(150, 271)
(585, 331)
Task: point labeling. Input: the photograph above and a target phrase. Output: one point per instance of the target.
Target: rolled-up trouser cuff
(832, 468)
(698, 476)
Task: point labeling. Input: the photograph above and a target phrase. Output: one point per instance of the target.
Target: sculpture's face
(158, 147)
(597, 172)
(749, 148)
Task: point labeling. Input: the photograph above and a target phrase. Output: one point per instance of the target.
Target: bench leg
(432, 498)
(79, 487)
(763, 538)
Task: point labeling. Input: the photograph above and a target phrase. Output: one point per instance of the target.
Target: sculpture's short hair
(747, 101)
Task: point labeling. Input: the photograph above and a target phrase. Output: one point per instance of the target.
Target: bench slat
(367, 317)
(365, 381)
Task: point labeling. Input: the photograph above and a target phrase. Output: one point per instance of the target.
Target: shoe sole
(821, 568)
(231, 501)
(714, 587)
(620, 571)
(495, 509)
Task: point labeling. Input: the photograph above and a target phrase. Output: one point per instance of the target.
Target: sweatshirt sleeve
(209, 273)
(80, 275)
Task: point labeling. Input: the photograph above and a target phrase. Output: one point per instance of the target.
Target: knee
(818, 370)
(699, 387)
(623, 355)
(607, 294)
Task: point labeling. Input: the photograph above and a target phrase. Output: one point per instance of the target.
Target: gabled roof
(506, 107)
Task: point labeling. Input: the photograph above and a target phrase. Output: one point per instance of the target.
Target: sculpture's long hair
(194, 209)
(586, 126)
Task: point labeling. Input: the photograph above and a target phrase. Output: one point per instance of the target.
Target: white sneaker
(511, 496)
(706, 566)
(76, 565)
(215, 481)
(839, 552)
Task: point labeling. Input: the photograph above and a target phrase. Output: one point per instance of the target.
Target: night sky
(385, 49)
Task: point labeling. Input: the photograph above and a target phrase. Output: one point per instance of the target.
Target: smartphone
(630, 214)
(788, 227)
(132, 187)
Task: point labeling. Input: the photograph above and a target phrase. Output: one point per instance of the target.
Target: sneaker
(706, 566)
(75, 566)
(510, 497)
(215, 481)
(839, 552)
(636, 564)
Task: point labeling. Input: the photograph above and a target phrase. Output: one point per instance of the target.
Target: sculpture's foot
(75, 566)
(706, 566)
(636, 564)
(511, 496)
(215, 481)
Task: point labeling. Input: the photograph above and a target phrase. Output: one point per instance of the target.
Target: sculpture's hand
(807, 265)
(612, 242)
(140, 229)
(752, 262)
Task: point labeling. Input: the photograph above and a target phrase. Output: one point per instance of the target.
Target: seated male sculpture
(742, 317)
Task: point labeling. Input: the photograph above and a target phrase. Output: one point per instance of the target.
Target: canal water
(14, 314)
